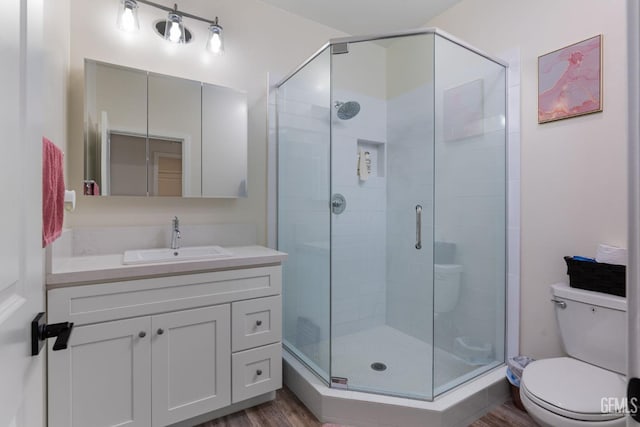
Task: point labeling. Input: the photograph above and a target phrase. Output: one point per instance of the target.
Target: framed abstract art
(570, 81)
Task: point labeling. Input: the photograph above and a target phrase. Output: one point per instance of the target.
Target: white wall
(56, 77)
(259, 39)
(573, 171)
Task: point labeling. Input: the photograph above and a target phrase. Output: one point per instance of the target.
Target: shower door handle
(418, 226)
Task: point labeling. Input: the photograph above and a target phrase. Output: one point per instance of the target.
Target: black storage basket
(597, 276)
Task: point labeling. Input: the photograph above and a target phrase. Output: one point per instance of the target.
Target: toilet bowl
(566, 392)
(589, 387)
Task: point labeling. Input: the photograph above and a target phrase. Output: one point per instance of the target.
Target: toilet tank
(593, 326)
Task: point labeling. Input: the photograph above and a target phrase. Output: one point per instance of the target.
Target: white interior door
(21, 272)
(633, 276)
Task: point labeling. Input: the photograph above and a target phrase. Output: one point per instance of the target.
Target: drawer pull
(160, 331)
(259, 372)
(258, 322)
(142, 334)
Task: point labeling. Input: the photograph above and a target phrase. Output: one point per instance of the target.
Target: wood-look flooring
(505, 415)
(288, 411)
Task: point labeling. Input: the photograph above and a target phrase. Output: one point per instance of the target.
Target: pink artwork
(570, 81)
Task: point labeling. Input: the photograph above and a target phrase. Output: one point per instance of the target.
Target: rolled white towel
(611, 254)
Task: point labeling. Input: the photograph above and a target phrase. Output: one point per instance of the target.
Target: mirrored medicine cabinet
(148, 134)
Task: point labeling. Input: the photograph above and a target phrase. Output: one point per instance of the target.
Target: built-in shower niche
(376, 158)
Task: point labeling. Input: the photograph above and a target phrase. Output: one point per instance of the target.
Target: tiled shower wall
(410, 182)
(359, 240)
(359, 234)
(470, 195)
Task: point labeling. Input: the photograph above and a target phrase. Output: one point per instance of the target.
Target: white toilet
(569, 391)
(446, 283)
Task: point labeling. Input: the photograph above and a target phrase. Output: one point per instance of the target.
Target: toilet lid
(575, 389)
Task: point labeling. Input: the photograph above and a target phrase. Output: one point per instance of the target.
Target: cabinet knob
(160, 331)
(259, 372)
(142, 334)
(258, 322)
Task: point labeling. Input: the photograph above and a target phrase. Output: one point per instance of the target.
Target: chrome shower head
(347, 110)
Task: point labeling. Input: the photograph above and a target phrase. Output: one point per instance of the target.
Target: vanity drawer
(256, 371)
(141, 297)
(256, 322)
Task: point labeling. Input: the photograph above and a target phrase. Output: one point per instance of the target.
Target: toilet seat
(573, 389)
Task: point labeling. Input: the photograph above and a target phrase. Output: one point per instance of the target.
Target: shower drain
(378, 366)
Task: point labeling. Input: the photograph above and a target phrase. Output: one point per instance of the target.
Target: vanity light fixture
(172, 29)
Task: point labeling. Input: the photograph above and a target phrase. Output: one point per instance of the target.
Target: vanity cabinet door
(191, 363)
(103, 378)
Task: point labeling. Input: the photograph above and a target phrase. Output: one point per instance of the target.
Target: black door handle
(40, 332)
(63, 335)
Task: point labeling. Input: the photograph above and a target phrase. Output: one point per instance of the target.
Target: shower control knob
(338, 203)
(259, 372)
(258, 322)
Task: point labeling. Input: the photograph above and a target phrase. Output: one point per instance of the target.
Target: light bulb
(128, 16)
(175, 33)
(128, 21)
(215, 43)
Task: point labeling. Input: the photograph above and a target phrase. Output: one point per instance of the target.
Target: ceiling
(360, 17)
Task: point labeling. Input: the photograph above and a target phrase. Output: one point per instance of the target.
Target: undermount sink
(155, 256)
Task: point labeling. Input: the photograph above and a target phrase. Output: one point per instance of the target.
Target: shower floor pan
(408, 368)
(408, 363)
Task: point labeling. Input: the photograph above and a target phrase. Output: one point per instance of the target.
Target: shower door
(382, 176)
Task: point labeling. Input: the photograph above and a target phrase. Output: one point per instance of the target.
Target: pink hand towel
(52, 192)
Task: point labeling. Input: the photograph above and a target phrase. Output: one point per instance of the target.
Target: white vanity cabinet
(159, 351)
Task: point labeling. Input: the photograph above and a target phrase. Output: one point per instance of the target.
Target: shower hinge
(340, 48)
(339, 382)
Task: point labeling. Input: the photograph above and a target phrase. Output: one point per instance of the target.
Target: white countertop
(78, 270)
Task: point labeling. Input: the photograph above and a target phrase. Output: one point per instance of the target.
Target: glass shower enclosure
(392, 208)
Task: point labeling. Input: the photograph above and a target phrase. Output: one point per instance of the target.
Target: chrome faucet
(175, 234)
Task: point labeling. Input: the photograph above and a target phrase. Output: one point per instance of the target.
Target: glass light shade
(215, 41)
(128, 16)
(174, 29)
